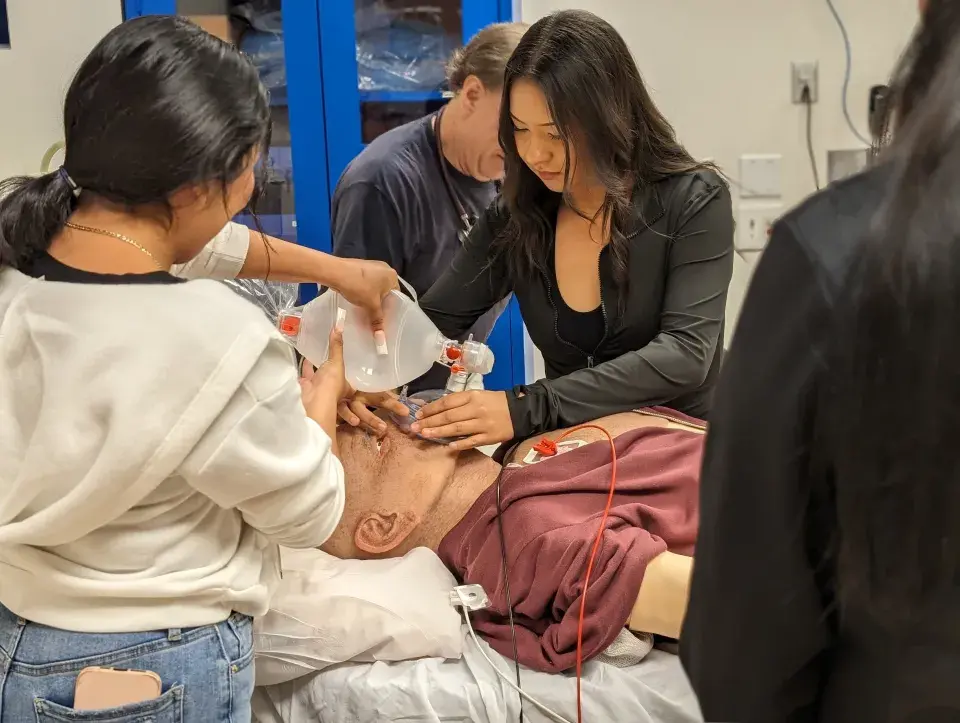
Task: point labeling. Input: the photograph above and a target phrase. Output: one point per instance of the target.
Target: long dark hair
(158, 105)
(893, 397)
(595, 95)
(918, 65)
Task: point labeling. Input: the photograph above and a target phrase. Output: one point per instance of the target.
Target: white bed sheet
(436, 690)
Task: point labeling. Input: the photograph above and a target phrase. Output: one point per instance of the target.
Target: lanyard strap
(447, 181)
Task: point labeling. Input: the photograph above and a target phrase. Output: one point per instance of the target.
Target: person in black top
(825, 583)
(617, 244)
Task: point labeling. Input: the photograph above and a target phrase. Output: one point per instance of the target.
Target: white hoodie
(153, 444)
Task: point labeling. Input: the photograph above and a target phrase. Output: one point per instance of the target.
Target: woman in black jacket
(826, 585)
(617, 244)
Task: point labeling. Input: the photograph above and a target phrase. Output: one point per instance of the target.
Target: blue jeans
(206, 672)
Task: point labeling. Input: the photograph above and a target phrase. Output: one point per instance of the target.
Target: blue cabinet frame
(324, 105)
(337, 43)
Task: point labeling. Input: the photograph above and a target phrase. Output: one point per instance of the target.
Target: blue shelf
(400, 96)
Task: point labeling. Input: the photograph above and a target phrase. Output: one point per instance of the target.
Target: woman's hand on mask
(355, 411)
(482, 417)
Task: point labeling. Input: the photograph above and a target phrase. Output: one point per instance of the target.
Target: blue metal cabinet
(340, 73)
(387, 61)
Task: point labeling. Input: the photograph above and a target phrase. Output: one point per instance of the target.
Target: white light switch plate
(760, 175)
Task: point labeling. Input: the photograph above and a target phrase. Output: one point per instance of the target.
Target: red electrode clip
(546, 447)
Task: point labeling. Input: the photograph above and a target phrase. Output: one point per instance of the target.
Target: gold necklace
(118, 236)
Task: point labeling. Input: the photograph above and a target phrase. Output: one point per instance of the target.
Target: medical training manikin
(404, 493)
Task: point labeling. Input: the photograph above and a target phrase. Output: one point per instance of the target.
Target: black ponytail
(32, 212)
(893, 400)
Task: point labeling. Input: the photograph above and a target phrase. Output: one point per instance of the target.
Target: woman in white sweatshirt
(155, 444)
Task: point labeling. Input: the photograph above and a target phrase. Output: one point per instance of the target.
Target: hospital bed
(349, 641)
(433, 690)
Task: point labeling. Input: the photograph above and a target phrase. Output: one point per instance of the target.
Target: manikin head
(398, 492)
(475, 76)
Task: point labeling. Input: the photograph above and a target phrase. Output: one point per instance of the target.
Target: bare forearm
(278, 260)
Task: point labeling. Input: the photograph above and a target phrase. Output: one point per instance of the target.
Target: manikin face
(537, 137)
(391, 485)
(481, 124)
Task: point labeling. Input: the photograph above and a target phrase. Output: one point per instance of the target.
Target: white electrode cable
(466, 606)
(846, 75)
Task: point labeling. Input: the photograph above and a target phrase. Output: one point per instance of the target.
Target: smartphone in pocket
(100, 688)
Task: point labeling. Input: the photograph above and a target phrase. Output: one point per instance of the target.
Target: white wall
(48, 40)
(720, 71)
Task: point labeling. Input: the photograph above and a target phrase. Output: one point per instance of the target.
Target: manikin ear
(380, 532)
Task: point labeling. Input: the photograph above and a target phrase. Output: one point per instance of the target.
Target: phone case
(101, 688)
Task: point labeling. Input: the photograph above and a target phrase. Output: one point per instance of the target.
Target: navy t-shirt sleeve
(366, 225)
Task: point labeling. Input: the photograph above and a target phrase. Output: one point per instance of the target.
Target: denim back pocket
(168, 708)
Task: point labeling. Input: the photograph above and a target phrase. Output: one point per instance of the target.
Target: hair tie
(65, 177)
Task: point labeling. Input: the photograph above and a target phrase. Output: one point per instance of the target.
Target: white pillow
(329, 611)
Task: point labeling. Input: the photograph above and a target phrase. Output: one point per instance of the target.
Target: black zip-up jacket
(766, 638)
(665, 349)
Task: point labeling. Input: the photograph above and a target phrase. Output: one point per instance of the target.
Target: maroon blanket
(551, 514)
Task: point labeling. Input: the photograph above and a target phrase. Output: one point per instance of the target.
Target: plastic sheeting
(431, 691)
(263, 42)
(273, 297)
(401, 49)
(398, 49)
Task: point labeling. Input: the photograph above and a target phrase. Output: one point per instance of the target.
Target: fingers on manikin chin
(462, 445)
(347, 416)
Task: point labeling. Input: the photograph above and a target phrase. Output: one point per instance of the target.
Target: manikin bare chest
(615, 424)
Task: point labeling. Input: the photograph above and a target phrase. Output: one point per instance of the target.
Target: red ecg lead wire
(593, 552)
(548, 448)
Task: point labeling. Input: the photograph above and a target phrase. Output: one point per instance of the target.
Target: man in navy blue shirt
(412, 195)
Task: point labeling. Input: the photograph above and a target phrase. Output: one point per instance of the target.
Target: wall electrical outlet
(804, 75)
(754, 224)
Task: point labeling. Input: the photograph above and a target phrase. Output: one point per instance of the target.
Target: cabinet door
(384, 64)
(281, 37)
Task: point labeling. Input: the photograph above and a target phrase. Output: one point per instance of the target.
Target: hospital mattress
(433, 690)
